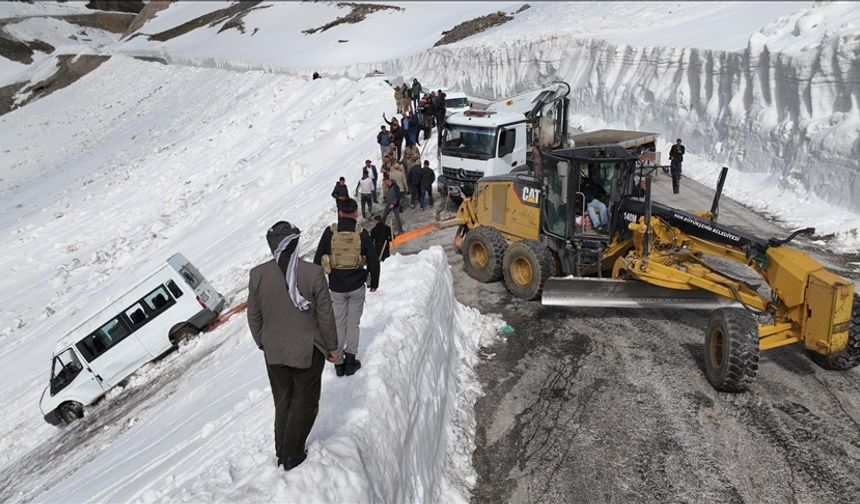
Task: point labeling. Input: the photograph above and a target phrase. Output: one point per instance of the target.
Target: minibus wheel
(71, 411)
(182, 333)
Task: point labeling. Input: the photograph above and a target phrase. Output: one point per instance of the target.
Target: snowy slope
(102, 181)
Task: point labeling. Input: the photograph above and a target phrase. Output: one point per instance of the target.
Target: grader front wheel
(731, 350)
(483, 248)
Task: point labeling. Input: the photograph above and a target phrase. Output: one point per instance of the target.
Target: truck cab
(481, 144)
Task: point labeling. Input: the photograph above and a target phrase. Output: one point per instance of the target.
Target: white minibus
(149, 320)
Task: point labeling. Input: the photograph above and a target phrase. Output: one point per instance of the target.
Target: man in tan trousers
(291, 319)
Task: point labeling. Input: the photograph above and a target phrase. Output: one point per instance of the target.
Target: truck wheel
(527, 265)
(182, 333)
(483, 248)
(71, 411)
(851, 356)
(731, 349)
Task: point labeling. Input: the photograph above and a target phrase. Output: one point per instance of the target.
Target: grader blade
(610, 293)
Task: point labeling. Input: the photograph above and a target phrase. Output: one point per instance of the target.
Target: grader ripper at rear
(531, 229)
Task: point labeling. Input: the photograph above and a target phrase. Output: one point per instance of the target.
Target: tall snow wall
(755, 109)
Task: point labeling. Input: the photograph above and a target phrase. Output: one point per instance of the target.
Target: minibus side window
(136, 315)
(158, 300)
(64, 370)
(174, 289)
(100, 341)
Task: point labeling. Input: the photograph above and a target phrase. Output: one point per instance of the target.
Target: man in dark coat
(340, 192)
(392, 200)
(348, 285)
(384, 139)
(397, 134)
(415, 93)
(676, 156)
(291, 319)
(414, 177)
(382, 236)
(439, 109)
(428, 176)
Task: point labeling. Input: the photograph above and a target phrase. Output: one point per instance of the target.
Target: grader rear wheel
(851, 356)
(483, 248)
(731, 349)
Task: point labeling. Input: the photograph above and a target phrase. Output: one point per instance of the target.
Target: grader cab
(532, 230)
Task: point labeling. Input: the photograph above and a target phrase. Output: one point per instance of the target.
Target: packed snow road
(613, 406)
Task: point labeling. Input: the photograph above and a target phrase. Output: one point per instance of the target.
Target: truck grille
(462, 175)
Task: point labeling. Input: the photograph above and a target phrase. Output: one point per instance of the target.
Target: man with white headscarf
(291, 319)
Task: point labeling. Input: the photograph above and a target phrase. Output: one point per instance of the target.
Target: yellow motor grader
(530, 229)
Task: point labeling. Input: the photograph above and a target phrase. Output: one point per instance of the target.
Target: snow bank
(400, 430)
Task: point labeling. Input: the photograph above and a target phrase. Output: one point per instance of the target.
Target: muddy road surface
(613, 406)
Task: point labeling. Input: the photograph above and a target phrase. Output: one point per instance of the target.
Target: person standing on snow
(374, 175)
(347, 254)
(410, 127)
(384, 139)
(365, 190)
(294, 326)
(676, 156)
(428, 176)
(414, 176)
(382, 236)
(415, 93)
(440, 109)
(398, 98)
(397, 133)
(392, 203)
(340, 192)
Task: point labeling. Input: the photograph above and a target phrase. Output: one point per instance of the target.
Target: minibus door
(74, 379)
(113, 352)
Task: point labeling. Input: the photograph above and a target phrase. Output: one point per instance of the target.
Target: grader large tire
(851, 356)
(527, 265)
(731, 349)
(483, 248)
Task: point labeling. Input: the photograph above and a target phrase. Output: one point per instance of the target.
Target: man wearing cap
(374, 175)
(292, 321)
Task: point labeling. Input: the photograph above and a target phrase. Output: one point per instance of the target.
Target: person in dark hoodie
(348, 255)
(411, 126)
(295, 328)
(415, 93)
(427, 177)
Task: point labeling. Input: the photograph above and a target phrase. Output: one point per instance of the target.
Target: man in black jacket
(340, 192)
(676, 156)
(347, 282)
(428, 176)
(414, 177)
(392, 199)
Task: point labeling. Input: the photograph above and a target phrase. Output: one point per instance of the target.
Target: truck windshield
(457, 102)
(469, 141)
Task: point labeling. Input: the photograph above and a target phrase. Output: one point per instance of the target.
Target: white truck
(499, 140)
(146, 322)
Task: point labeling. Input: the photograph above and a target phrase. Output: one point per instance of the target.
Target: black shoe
(292, 462)
(351, 364)
(339, 369)
(280, 461)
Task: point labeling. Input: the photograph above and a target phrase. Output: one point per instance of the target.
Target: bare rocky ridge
(231, 15)
(70, 68)
(473, 26)
(358, 13)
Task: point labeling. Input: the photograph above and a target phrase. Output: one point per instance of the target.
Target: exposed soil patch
(473, 26)
(232, 15)
(7, 96)
(114, 22)
(70, 69)
(132, 6)
(148, 12)
(358, 13)
(15, 50)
